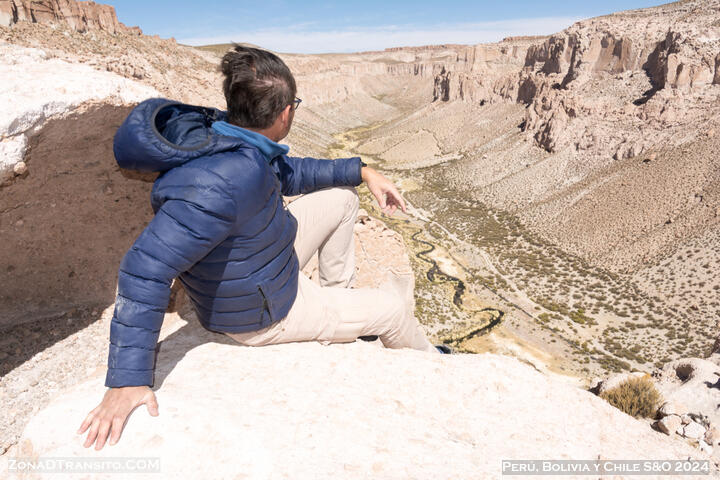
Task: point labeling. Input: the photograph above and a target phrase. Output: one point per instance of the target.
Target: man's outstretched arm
(181, 233)
(306, 174)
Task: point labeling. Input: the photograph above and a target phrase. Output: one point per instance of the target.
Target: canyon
(564, 203)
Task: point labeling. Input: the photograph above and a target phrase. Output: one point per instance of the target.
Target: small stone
(711, 133)
(712, 436)
(22, 385)
(669, 424)
(685, 419)
(701, 419)
(694, 430)
(672, 408)
(20, 168)
(705, 447)
(19, 223)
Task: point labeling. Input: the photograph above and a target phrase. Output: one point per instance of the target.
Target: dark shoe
(368, 338)
(445, 349)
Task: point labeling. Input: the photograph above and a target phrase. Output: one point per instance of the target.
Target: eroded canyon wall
(80, 16)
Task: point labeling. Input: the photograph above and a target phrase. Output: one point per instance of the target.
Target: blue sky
(320, 26)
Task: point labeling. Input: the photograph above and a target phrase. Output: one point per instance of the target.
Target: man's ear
(285, 115)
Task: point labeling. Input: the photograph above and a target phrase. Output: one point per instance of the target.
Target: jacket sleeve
(184, 230)
(306, 174)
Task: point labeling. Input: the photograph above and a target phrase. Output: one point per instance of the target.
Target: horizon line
(381, 38)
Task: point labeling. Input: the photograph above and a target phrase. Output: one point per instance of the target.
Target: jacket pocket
(266, 301)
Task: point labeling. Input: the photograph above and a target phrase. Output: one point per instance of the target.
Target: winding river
(435, 274)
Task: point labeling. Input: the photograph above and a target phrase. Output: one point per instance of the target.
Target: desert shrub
(636, 396)
(336, 146)
(578, 316)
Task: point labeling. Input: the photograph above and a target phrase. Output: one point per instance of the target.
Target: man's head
(259, 90)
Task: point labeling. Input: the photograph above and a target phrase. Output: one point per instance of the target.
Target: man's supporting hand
(109, 417)
(384, 191)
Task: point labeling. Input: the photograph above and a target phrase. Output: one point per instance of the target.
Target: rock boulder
(26, 73)
(692, 382)
(357, 410)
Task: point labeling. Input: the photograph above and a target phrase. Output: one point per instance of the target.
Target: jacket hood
(160, 134)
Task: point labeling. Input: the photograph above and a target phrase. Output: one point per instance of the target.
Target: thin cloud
(299, 40)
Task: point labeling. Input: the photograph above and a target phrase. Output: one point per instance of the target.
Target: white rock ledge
(35, 89)
(309, 411)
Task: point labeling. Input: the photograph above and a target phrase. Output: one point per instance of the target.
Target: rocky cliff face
(80, 16)
(25, 111)
(482, 73)
(672, 50)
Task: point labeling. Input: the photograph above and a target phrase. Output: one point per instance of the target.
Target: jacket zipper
(266, 305)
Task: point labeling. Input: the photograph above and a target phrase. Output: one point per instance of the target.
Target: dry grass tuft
(637, 397)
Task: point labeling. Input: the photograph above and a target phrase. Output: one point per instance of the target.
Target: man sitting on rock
(222, 228)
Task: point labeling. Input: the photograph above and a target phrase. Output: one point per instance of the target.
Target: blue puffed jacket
(220, 227)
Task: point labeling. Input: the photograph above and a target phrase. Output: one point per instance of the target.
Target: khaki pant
(332, 312)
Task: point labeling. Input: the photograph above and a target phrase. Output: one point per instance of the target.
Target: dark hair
(258, 86)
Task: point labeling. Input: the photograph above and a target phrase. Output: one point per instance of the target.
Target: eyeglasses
(296, 103)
